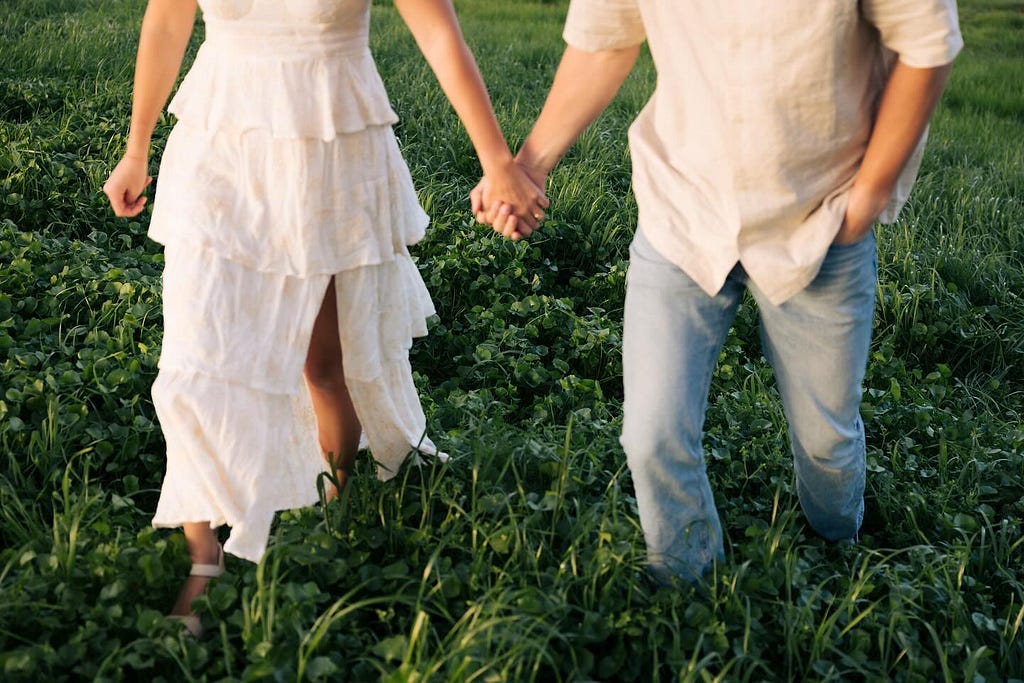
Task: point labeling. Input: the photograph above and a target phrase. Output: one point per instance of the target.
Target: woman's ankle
(203, 545)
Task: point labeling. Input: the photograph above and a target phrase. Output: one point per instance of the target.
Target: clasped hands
(511, 200)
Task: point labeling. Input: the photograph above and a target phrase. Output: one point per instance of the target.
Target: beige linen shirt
(748, 147)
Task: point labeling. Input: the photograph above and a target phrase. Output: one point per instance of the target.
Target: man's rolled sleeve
(923, 33)
(593, 25)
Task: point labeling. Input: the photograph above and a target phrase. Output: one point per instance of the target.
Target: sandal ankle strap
(193, 626)
(210, 571)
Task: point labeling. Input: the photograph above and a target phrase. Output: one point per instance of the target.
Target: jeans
(817, 343)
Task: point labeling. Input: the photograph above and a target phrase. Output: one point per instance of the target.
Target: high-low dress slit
(281, 172)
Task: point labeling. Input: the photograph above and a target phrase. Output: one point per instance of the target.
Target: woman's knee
(325, 374)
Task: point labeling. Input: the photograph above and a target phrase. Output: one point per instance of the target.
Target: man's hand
(862, 208)
(584, 84)
(512, 201)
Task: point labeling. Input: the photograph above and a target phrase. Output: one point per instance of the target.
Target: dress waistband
(274, 40)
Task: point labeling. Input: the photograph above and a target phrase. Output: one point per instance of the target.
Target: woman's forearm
(166, 28)
(437, 33)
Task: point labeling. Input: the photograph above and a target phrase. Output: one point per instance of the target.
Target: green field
(520, 559)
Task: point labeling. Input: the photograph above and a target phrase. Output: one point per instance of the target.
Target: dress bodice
(276, 29)
(300, 69)
(317, 11)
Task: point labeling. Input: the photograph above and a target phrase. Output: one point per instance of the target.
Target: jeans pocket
(868, 237)
(852, 268)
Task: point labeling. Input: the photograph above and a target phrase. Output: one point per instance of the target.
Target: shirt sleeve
(593, 25)
(923, 33)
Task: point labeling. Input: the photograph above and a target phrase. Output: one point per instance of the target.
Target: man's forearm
(909, 98)
(584, 85)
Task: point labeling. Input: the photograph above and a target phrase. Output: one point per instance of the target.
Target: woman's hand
(126, 184)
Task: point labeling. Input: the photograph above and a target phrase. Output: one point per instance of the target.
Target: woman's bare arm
(436, 29)
(166, 29)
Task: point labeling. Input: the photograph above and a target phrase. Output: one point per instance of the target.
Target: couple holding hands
(777, 136)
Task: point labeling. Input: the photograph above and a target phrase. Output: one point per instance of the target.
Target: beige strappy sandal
(192, 623)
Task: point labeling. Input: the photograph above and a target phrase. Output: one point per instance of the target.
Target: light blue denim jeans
(817, 342)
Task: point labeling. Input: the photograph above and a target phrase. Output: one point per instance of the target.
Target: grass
(519, 560)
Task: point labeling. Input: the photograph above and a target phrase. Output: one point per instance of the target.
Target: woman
(286, 210)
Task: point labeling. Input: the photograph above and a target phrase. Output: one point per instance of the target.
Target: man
(779, 132)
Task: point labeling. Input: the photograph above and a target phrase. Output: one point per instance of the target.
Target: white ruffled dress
(281, 172)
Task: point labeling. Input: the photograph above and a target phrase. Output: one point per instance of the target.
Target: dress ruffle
(318, 97)
(295, 207)
(240, 430)
(294, 68)
(220, 474)
(250, 328)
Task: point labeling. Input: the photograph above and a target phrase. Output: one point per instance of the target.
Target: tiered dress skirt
(281, 173)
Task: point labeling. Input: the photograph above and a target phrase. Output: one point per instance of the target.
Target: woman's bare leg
(339, 427)
(203, 548)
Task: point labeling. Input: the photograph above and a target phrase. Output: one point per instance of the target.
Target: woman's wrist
(136, 151)
(496, 162)
(137, 146)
